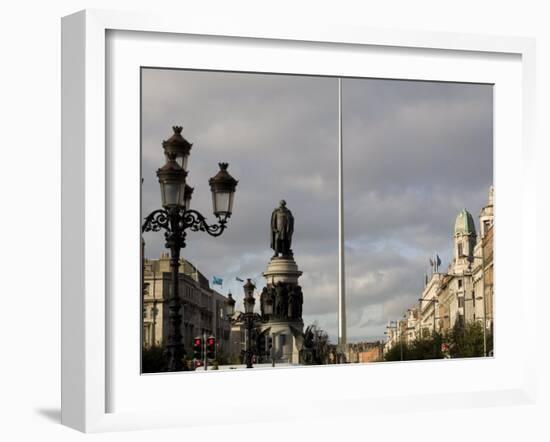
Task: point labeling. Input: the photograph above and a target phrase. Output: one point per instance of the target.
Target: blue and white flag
(216, 280)
(239, 279)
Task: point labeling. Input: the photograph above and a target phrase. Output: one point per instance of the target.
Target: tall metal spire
(342, 335)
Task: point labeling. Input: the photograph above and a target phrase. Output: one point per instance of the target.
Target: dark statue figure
(287, 301)
(282, 228)
(299, 301)
(292, 303)
(280, 300)
(263, 300)
(295, 301)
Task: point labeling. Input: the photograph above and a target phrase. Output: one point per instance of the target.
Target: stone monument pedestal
(287, 339)
(282, 269)
(285, 324)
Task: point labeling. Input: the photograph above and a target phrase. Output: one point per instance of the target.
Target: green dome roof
(464, 223)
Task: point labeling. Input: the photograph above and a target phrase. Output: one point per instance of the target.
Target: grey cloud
(279, 135)
(415, 154)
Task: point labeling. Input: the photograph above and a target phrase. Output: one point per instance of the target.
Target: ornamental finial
(223, 166)
(177, 129)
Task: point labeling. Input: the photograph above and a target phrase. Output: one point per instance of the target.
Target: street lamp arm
(243, 317)
(178, 220)
(195, 221)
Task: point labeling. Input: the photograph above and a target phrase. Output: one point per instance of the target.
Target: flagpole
(342, 338)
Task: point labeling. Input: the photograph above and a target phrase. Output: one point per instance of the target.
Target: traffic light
(197, 349)
(211, 347)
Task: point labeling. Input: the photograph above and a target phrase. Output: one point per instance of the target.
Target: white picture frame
(89, 171)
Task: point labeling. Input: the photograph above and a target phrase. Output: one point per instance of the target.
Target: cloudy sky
(415, 153)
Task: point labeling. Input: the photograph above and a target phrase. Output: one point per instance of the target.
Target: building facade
(464, 292)
(364, 352)
(203, 308)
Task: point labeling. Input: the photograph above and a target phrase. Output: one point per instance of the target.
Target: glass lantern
(223, 188)
(172, 183)
(249, 296)
(249, 302)
(230, 306)
(187, 196)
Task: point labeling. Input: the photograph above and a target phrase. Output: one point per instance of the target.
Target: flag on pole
(239, 279)
(216, 280)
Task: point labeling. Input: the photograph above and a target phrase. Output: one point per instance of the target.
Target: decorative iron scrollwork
(156, 221)
(176, 221)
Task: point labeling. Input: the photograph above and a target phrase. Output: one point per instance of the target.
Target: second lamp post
(249, 319)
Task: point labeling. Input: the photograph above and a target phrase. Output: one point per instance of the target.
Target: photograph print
(292, 220)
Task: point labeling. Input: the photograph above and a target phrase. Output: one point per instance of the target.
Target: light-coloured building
(464, 291)
(203, 307)
(412, 324)
(488, 296)
(483, 266)
(428, 305)
(392, 338)
(395, 334)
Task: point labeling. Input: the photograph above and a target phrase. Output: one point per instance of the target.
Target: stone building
(391, 338)
(464, 292)
(203, 307)
(428, 307)
(469, 292)
(483, 266)
(364, 352)
(488, 292)
(395, 334)
(456, 295)
(412, 320)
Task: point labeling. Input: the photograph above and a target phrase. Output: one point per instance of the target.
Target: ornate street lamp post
(249, 319)
(176, 217)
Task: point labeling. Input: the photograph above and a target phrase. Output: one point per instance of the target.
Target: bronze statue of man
(282, 228)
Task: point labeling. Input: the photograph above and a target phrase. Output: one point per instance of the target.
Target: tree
(316, 346)
(466, 339)
(152, 360)
(394, 353)
(428, 347)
